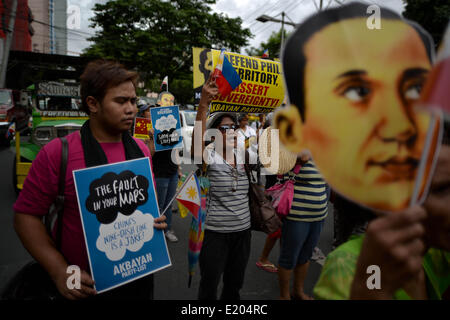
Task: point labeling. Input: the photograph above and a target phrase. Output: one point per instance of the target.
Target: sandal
(269, 267)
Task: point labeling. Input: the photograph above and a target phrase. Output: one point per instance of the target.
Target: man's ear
(93, 104)
(288, 122)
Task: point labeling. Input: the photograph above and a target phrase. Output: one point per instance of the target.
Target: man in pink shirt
(109, 98)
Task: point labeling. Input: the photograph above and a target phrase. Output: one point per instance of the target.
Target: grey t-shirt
(226, 210)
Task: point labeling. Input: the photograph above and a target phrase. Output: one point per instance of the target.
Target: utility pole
(264, 18)
(7, 43)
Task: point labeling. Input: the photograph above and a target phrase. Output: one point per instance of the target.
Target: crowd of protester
(411, 247)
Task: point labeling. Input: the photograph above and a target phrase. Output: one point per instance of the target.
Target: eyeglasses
(224, 128)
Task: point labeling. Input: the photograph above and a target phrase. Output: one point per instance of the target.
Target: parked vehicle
(6, 103)
(53, 116)
(14, 113)
(188, 107)
(187, 119)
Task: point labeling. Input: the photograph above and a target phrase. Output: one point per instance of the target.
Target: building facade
(23, 30)
(50, 26)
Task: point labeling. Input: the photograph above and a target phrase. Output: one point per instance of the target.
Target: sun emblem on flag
(191, 193)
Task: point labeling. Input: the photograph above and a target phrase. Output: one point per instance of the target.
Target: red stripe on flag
(191, 206)
(222, 83)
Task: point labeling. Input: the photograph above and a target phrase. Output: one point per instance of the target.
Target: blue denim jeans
(298, 239)
(166, 189)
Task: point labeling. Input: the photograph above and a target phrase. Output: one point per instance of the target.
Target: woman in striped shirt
(302, 227)
(226, 245)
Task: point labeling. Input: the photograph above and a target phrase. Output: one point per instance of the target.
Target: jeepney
(55, 113)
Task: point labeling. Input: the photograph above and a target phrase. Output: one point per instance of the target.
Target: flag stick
(436, 120)
(178, 192)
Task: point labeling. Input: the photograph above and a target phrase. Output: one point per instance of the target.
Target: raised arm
(209, 92)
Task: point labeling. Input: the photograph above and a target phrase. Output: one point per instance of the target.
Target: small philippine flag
(265, 54)
(189, 195)
(227, 79)
(165, 84)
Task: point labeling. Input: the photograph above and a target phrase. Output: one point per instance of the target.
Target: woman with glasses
(226, 245)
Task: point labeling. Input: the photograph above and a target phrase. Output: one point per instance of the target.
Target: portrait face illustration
(205, 65)
(358, 118)
(166, 99)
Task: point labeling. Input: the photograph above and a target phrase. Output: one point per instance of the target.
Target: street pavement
(170, 283)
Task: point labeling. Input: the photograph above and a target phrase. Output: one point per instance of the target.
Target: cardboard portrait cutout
(166, 99)
(352, 92)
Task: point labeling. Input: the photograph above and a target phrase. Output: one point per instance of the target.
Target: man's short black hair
(294, 59)
(101, 75)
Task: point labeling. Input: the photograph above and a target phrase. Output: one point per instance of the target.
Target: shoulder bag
(282, 194)
(262, 214)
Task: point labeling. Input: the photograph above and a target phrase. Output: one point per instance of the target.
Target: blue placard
(117, 206)
(167, 128)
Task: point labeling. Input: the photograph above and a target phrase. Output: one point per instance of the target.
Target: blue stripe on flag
(230, 74)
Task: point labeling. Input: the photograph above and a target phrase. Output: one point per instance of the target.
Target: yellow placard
(261, 90)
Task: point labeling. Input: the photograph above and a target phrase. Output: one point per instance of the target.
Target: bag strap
(296, 170)
(247, 171)
(258, 173)
(247, 168)
(59, 203)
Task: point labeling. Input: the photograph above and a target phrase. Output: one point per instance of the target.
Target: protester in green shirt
(411, 249)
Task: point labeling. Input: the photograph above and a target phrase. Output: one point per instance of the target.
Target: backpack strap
(59, 203)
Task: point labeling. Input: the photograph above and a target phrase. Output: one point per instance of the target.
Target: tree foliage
(432, 15)
(156, 37)
(273, 44)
